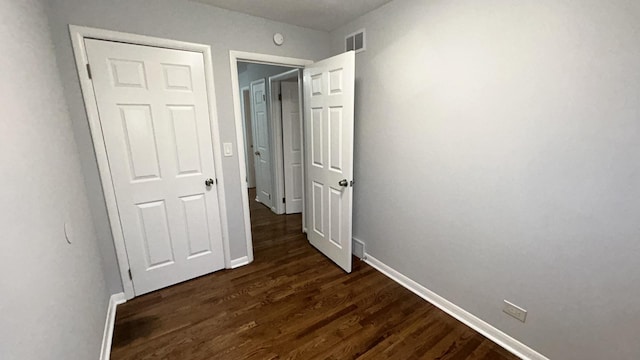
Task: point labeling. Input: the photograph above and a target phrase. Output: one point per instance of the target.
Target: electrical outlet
(515, 311)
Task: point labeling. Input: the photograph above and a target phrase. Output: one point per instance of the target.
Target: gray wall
(496, 157)
(181, 20)
(248, 72)
(53, 298)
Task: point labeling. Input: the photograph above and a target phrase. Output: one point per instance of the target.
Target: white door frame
(78, 34)
(234, 57)
(244, 128)
(275, 132)
(276, 125)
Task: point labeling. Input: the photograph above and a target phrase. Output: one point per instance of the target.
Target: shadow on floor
(127, 332)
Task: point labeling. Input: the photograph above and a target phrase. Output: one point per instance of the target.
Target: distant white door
(292, 146)
(261, 143)
(329, 103)
(155, 121)
(248, 137)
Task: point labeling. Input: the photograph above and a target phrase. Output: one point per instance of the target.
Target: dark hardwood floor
(291, 302)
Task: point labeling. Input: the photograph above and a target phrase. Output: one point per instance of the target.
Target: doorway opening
(323, 151)
(272, 131)
(246, 154)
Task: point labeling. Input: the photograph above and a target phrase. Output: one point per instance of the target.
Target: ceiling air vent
(355, 41)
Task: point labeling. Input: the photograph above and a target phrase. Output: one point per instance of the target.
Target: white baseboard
(107, 336)
(235, 263)
(512, 345)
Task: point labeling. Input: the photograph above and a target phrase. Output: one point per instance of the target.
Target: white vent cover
(355, 41)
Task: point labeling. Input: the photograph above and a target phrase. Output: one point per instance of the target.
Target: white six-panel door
(329, 105)
(155, 121)
(292, 146)
(261, 143)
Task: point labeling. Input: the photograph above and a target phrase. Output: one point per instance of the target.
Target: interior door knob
(209, 182)
(343, 183)
(257, 153)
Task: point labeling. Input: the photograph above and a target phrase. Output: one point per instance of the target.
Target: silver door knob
(209, 182)
(343, 183)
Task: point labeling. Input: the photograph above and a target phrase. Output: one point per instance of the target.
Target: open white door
(329, 90)
(261, 143)
(292, 146)
(155, 121)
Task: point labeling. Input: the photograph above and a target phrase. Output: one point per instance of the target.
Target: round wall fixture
(278, 39)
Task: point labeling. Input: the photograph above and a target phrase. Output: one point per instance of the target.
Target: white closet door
(329, 103)
(292, 146)
(155, 121)
(261, 143)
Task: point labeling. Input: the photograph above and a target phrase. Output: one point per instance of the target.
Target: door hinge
(130, 276)
(280, 97)
(264, 97)
(89, 71)
(284, 200)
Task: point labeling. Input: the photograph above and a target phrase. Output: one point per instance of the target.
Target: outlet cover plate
(515, 311)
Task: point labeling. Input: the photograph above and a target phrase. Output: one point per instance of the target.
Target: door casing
(78, 34)
(275, 131)
(277, 138)
(246, 121)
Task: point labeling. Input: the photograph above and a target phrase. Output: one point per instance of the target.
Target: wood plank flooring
(291, 303)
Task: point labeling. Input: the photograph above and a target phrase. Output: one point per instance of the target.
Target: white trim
(78, 34)
(499, 337)
(275, 130)
(277, 135)
(107, 335)
(243, 110)
(236, 263)
(302, 154)
(234, 57)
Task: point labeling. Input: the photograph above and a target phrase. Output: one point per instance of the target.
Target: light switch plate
(228, 149)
